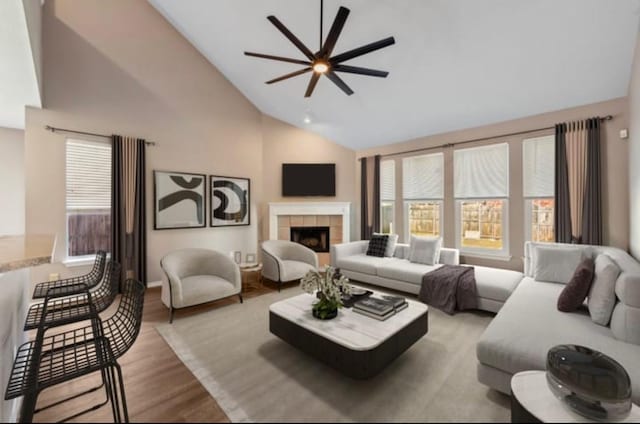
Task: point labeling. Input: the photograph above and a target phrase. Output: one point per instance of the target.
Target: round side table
(251, 275)
(532, 401)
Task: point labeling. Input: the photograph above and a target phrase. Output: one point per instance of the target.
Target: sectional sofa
(529, 324)
(494, 285)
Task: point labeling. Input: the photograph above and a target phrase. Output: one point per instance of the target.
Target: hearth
(315, 238)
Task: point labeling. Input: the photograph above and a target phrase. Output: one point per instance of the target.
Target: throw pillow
(392, 240)
(602, 296)
(556, 264)
(377, 245)
(425, 250)
(576, 291)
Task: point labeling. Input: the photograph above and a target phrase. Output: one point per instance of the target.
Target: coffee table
(354, 344)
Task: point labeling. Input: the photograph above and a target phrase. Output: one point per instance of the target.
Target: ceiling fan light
(320, 67)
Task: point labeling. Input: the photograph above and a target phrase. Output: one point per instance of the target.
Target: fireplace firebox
(315, 238)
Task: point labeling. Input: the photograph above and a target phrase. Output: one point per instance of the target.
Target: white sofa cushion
(602, 295)
(361, 263)
(529, 324)
(556, 264)
(425, 250)
(403, 270)
(496, 284)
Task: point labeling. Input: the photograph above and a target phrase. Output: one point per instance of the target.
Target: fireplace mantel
(310, 208)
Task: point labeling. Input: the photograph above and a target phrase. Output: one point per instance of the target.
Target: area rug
(255, 376)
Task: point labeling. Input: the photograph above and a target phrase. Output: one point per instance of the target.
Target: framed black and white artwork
(179, 200)
(230, 201)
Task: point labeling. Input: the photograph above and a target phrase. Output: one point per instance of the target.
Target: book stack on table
(380, 308)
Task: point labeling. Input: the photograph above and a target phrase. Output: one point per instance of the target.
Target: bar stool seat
(73, 285)
(55, 311)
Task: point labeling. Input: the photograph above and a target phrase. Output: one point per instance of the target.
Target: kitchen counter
(17, 252)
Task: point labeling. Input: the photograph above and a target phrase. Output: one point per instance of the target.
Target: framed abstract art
(230, 201)
(179, 200)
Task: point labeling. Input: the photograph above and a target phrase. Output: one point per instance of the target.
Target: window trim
(405, 206)
(504, 253)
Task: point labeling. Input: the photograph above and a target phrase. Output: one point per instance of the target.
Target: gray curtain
(592, 207)
(578, 202)
(369, 196)
(562, 216)
(128, 207)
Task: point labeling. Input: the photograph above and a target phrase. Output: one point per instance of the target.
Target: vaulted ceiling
(456, 63)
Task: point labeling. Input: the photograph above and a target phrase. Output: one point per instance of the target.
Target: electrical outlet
(624, 133)
(54, 276)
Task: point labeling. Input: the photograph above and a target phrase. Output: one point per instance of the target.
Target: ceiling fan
(321, 62)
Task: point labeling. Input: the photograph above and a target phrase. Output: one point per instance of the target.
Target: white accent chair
(194, 276)
(286, 261)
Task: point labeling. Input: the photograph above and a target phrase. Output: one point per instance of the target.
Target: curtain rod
(54, 129)
(446, 145)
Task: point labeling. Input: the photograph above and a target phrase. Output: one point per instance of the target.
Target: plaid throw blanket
(450, 288)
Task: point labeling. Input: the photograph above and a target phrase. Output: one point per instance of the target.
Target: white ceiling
(18, 80)
(456, 63)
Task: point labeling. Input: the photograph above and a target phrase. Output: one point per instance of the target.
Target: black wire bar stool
(65, 310)
(73, 285)
(51, 360)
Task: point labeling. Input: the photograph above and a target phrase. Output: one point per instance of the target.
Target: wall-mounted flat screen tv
(308, 179)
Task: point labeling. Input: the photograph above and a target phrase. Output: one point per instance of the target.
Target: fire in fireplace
(315, 238)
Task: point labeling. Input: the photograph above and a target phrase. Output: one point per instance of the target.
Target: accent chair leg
(240, 296)
(279, 285)
(170, 314)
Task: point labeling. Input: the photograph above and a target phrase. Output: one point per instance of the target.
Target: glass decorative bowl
(589, 382)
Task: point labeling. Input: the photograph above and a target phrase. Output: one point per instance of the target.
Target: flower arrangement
(329, 287)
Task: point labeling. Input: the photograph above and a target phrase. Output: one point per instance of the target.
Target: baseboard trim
(154, 283)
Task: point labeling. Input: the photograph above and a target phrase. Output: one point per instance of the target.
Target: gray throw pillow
(425, 250)
(556, 264)
(602, 296)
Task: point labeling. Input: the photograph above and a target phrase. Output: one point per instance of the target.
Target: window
(387, 195)
(88, 192)
(423, 191)
(538, 164)
(481, 188)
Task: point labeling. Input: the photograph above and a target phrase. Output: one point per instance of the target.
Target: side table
(532, 402)
(251, 275)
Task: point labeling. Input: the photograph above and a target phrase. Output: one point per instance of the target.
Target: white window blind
(88, 175)
(423, 177)
(481, 172)
(538, 162)
(387, 180)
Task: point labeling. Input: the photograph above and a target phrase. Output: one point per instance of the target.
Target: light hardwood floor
(159, 387)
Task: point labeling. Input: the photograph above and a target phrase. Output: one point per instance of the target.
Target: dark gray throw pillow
(576, 290)
(377, 245)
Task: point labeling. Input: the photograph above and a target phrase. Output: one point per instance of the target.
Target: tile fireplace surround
(335, 215)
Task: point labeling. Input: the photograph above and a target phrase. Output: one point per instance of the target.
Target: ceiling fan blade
(291, 37)
(334, 32)
(360, 71)
(337, 81)
(282, 59)
(291, 75)
(312, 84)
(362, 50)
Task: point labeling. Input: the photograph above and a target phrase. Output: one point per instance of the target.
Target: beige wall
(634, 153)
(11, 181)
(33, 15)
(614, 185)
(284, 143)
(119, 67)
